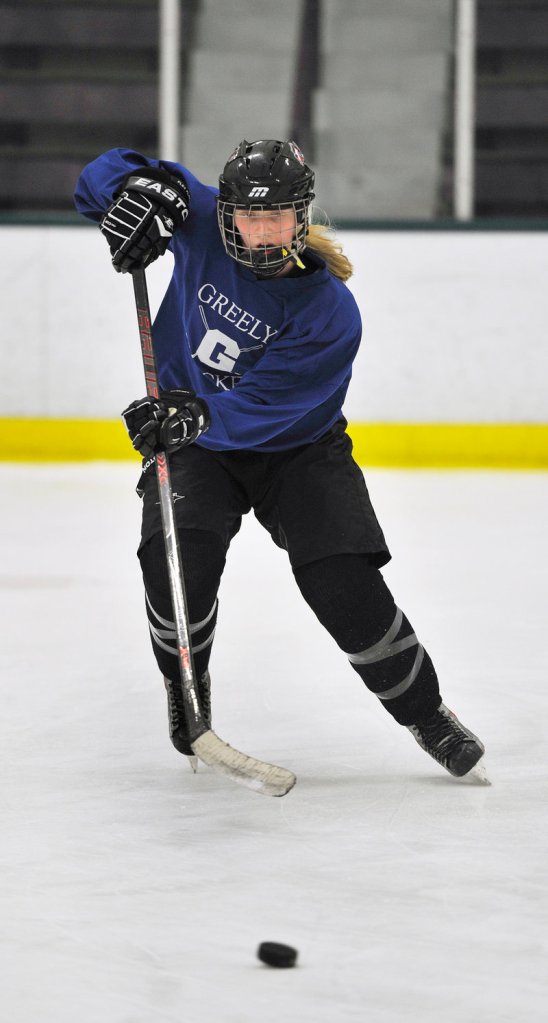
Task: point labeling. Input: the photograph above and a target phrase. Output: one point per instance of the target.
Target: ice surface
(136, 892)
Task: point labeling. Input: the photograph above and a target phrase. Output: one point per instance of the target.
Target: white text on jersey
(241, 319)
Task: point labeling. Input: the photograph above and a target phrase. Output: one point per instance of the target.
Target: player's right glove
(167, 423)
(140, 223)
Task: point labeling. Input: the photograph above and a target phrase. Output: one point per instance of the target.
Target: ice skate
(176, 715)
(454, 747)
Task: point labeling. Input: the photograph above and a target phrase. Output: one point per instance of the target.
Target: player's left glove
(141, 221)
(167, 423)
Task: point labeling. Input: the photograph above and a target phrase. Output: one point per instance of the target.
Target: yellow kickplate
(64, 440)
(388, 445)
(451, 445)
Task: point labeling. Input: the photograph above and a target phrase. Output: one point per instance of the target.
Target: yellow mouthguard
(295, 258)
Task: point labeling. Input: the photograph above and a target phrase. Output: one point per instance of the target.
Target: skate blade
(193, 761)
(478, 774)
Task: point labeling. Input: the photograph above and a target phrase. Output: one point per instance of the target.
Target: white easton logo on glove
(163, 190)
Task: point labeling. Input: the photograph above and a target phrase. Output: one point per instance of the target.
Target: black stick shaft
(193, 711)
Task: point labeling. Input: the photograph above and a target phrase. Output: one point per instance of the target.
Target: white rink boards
(454, 326)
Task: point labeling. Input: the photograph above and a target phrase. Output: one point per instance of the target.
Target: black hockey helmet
(267, 175)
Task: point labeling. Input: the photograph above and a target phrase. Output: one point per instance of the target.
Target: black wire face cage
(265, 260)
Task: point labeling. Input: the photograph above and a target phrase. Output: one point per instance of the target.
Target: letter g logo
(218, 350)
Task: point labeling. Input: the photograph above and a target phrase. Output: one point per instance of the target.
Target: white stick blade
(254, 774)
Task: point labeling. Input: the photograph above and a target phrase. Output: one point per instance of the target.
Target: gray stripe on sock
(157, 633)
(163, 621)
(402, 687)
(194, 627)
(160, 643)
(207, 642)
(378, 651)
(163, 633)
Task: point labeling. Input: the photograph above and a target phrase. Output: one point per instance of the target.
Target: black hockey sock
(203, 557)
(352, 601)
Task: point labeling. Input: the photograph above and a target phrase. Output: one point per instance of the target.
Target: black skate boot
(454, 747)
(176, 715)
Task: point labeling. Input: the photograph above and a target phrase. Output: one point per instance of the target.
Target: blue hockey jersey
(272, 358)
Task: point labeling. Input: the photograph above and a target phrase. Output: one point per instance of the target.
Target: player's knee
(349, 596)
(203, 558)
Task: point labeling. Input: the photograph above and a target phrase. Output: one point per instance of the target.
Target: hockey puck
(274, 954)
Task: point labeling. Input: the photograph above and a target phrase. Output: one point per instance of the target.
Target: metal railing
(464, 109)
(307, 77)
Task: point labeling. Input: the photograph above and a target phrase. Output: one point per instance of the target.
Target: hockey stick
(255, 774)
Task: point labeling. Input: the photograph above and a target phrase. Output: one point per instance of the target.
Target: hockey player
(255, 341)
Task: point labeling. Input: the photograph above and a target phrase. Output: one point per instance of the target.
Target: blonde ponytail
(320, 239)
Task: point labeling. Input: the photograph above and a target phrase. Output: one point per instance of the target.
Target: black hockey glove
(166, 423)
(139, 224)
